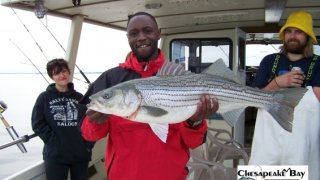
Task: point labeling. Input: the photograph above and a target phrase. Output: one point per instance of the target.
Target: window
(197, 54)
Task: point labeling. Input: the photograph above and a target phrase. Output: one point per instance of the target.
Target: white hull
(37, 171)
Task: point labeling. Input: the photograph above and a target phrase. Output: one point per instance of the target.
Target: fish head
(120, 100)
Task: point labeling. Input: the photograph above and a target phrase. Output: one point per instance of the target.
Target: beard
(295, 46)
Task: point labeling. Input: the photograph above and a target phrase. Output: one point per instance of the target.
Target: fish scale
(191, 88)
(173, 98)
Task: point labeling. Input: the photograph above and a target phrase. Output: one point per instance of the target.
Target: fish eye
(107, 95)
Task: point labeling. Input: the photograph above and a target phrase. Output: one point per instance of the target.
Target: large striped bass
(172, 96)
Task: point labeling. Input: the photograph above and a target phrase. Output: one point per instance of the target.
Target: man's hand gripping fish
(172, 97)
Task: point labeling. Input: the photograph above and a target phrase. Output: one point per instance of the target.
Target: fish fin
(288, 99)
(172, 69)
(231, 117)
(161, 130)
(153, 111)
(219, 68)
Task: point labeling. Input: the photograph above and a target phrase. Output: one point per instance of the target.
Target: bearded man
(295, 66)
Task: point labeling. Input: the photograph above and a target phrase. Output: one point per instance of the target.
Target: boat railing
(19, 141)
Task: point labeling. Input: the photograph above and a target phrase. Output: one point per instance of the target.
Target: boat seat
(221, 147)
(217, 158)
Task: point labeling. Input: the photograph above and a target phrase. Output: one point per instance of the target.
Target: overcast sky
(100, 49)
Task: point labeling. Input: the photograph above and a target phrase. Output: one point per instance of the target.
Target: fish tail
(287, 99)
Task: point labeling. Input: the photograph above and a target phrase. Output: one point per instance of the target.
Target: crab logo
(246, 178)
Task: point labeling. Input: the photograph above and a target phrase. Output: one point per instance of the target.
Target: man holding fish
(138, 150)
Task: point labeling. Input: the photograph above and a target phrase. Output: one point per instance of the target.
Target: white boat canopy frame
(182, 16)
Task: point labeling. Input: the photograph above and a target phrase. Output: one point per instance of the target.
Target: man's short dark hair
(141, 13)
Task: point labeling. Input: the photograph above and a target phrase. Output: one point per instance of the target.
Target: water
(19, 92)
(11, 158)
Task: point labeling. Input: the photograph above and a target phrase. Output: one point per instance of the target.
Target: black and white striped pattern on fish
(172, 98)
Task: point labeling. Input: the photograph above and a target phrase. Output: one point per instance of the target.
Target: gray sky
(100, 49)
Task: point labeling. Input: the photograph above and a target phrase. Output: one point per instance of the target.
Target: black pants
(55, 171)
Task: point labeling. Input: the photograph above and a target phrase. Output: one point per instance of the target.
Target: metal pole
(18, 141)
(13, 134)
